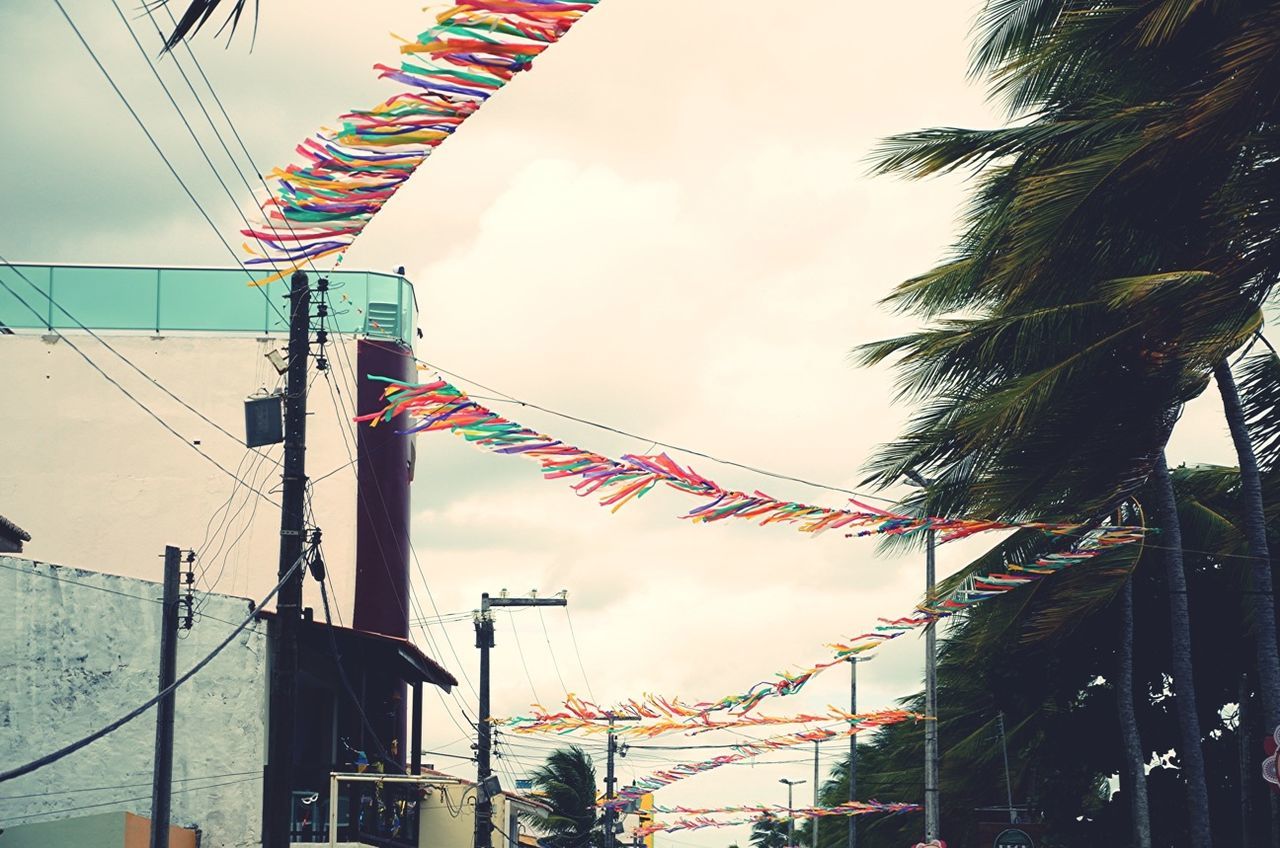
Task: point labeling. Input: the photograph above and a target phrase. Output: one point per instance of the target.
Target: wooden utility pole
(484, 729)
(853, 751)
(610, 782)
(277, 796)
(162, 771)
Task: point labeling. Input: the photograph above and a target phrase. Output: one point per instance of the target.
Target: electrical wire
(525, 665)
(578, 653)
(150, 138)
(66, 750)
(159, 420)
(503, 396)
(554, 662)
(346, 684)
(124, 785)
(86, 585)
(63, 811)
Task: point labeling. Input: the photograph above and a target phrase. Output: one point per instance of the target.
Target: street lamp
(932, 819)
(791, 819)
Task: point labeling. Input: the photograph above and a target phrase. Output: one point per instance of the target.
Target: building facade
(125, 431)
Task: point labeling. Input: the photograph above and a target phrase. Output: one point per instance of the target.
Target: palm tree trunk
(1190, 753)
(1133, 758)
(1255, 531)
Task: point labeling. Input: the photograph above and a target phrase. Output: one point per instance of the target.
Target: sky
(668, 227)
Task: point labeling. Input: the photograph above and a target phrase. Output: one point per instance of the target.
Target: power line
(65, 810)
(503, 396)
(122, 786)
(554, 662)
(66, 750)
(150, 138)
(87, 585)
(578, 652)
(523, 663)
(127, 393)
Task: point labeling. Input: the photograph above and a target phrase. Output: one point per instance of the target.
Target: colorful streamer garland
(665, 777)
(697, 819)
(437, 405)
(317, 208)
(580, 715)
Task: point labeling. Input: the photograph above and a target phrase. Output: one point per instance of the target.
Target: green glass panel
(27, 282)
(197, 299)
(104, 298)
(215, 299)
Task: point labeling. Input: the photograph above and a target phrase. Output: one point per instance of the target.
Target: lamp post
(932, 822)
(791, 819)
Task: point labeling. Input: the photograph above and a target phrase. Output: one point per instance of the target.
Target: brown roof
(422, 665)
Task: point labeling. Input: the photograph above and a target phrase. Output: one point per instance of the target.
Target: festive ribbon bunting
(437, 406)
(699, 818)
(665, 777)
(584, 716)
(317, 208)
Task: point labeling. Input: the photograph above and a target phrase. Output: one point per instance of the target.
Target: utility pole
(853, 751)
(162, 771)
(932, 819)
(610, 780)
(814, 833)
(277, 796)
(791, 819)
(484, 729)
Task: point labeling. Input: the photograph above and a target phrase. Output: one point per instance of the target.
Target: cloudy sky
(666, 227)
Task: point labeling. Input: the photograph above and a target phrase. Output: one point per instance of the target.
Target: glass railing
(218, 300)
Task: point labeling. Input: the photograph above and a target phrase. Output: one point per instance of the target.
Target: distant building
(142, 447)
(81, 648)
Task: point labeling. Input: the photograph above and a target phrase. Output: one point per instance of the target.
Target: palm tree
(567, 782)
(768, 832)
(197, 15)
(1141, 193)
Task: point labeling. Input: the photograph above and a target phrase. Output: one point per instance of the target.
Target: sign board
(1013, 838)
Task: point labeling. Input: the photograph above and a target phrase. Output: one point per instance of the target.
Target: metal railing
(159, 300)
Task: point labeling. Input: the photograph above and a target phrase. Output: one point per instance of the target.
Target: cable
(66, 750)
(506, 397)
(85, 585)
(577, 652)
(554, 662)
(131, 397)
(346, 684)
(525, 665)
(123, 786)
(160, 151)
(65, 810)
(124, 358)
(344, 362)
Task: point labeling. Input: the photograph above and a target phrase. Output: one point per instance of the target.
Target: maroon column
(382, 504)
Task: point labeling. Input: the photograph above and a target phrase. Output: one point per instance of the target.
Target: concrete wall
(79, 649)
(98, 482)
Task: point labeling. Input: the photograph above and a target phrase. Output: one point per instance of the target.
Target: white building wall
(80, 649)
(97, 481)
